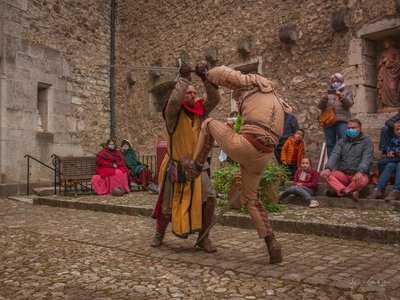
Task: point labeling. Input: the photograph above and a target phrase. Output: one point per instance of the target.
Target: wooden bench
(77, 172)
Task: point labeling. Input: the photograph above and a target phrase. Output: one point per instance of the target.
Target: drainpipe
(112, 71)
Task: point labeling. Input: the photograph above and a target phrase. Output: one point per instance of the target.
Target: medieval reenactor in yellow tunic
(263, 114)
(188, 204)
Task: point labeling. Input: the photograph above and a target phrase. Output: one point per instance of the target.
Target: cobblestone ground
(56, 253)
(326, 215)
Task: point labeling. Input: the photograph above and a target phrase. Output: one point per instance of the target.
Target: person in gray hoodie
(347, 169)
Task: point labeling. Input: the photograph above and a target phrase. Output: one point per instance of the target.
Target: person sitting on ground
(390, 164)
(290, 126)
(139, 173)
(347, 169)
(293, 152)
(389, 154)
(387, 133)
(305, 183)
(111, 172)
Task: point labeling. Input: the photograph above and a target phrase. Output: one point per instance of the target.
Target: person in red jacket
(305, 183)
(111, 171)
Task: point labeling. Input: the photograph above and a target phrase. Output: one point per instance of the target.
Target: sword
(144, 68)
(227, 207)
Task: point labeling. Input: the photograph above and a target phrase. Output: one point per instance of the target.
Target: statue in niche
(388, 82)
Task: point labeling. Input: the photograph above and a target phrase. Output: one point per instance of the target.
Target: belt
(265, 148)
(247, 122)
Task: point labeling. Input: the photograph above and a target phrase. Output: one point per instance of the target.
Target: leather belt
(248, 122)
(265, 148)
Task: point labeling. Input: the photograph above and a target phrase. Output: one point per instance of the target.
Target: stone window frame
(162, 84)
(360, 73)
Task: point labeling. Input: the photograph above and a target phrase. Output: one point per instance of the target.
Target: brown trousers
(252, 165)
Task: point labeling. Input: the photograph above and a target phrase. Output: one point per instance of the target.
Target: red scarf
(197, 109)
(110, 155)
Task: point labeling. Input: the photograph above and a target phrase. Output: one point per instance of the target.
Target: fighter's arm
(175, 101)
(213, 97)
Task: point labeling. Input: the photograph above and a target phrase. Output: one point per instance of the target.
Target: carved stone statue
(388, 89)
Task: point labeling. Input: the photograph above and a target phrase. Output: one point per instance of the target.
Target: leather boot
(208, 208)
(274, 249)
(393, 195)
(157, 239)
(377, 194)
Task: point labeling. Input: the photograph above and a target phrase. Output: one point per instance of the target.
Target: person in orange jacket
(293, 152)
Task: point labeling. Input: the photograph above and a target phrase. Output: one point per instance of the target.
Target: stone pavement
(361, 224)
(57, 253)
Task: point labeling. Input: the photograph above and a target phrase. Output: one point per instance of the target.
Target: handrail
(28, 172)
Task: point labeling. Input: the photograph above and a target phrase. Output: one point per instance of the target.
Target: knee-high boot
(208, 208)
(161, 226)
(274, 248)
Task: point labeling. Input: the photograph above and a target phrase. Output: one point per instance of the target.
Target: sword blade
(144, 68)
(220, 215)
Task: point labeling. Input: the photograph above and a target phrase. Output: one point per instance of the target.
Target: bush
(273, 178)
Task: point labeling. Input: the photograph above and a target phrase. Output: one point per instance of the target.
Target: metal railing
(29, 157)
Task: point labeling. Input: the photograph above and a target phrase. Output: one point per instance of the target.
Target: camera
(331, 92)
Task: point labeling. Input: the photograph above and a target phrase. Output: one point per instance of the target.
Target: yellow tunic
(186, 197)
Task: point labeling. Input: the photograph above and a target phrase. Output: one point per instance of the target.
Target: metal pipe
(112, 71)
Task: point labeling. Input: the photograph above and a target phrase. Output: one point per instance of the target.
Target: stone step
(363, 194)
(356, 224)
(344, 202)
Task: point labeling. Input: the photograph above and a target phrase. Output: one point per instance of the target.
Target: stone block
(364, 100)
(36, 50)
(369, 48)
(377, 29)
(354, 53)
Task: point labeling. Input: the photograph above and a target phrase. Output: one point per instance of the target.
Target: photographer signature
(355, 283)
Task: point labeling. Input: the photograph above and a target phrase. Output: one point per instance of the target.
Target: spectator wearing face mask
(139, 173)
(111, 172)
(347, 169)
(340, 98)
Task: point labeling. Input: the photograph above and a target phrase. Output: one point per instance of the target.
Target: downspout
(112, 71)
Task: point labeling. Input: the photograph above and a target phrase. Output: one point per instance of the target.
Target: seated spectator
(139, 173)
(290, 126)
(387, 133)
(389, 164)
(390, 153)
(293, 152)
(305, 183)
(347, 169)
(111, 172)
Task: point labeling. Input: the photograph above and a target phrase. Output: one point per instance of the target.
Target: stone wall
(162, 31)
(53, 98)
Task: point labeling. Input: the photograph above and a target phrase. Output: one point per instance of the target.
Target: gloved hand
(184, 71)
(201, 71)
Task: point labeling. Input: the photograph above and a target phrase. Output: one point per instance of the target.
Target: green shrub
(273, 178)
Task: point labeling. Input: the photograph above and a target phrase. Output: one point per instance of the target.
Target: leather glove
(184, 71)
(201, 71)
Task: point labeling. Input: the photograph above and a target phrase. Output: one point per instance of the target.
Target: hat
(126, 141)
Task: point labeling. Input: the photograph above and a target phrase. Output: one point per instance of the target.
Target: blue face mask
(336, 85)
(125, 147)
(352, 133)
(111, 147)
(234, 120)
